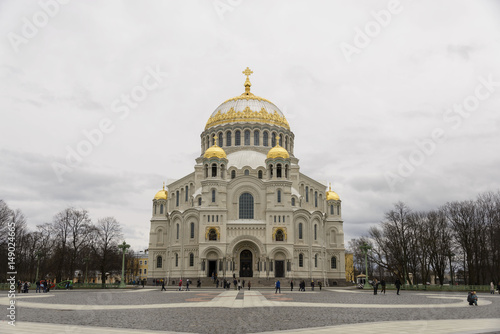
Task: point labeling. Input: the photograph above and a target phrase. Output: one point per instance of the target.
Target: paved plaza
(250, 311)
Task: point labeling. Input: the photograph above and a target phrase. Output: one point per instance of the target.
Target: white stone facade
(243, 213)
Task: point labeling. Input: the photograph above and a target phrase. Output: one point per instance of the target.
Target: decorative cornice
(247, 115)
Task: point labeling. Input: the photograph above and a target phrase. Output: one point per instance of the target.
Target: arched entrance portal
(246, 263)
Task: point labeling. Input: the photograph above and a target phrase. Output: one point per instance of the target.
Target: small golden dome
(162, 194)
(215, 151)
(278, 151)
(332, 195)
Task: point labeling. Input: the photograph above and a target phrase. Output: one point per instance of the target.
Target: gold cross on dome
(247, 72)
(215, 139)
(277, 140)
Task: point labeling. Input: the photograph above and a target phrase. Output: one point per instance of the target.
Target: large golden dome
(162, 194)
(332, 195)
(215, 151)
(247, 107)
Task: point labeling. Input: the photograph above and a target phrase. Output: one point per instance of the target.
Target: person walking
(38, 287)
(382, 284)
(163, 286)
(492, 288)
(187, 284)
(397, 283)
(291, 285)
(142, 283)
(216, 283)
(320, 285)
(198, 284)
(278, 286)
(239, 285)
(375, 286)
(312, 285)
(249, 285)
(235, 282)
(180, 284)
(243, 284)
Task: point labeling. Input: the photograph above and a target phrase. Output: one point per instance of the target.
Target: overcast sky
(387, 101)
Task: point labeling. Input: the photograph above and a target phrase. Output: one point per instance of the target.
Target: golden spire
(215, 140)
(163, 185)
(247, 72)
(277, 140)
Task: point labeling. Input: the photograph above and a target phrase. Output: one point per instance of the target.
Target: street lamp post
(86, 260)
(38, 253)
(123, 247)
(364, 248)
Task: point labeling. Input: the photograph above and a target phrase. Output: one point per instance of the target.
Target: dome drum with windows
(246, 209)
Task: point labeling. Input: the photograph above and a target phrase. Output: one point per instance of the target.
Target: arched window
(338, 209)
(228, 138)
(307, 194)
(176, 259)
(177, 198)
(199, 201)
(286, 171)
(220, 139)
(247, 172)
(281, 139)
(279, 196)
(247, 137)
(191, 259)
(334, 262)
(316, 199)
(177, 231)
(237, 138)
(315, 232)
(155, 209)
(222, 171)
(273, 139)
(159, 262)
(212, 235)
(301, 260)
(246, 206)
(260, 174)
(213, 139)
(256, 136)
(286, 143)
(280, 236)
(300, 230)
(233, 174)
(316, 261)
(214, 170)
(161, 209)
(265, 139)
(213, 195)
(293, 201)
(331, 209)
(192, 231)
(278, 170)
(206, 170)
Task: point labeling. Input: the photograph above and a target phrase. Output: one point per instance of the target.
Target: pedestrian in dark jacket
(397, 283)
(375, 286)
(382, 284)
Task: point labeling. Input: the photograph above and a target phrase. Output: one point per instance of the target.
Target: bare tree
(106, 235)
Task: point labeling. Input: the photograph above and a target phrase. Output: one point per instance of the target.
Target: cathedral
(246, 210)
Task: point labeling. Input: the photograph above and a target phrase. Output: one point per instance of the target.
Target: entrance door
(212, 268)
(279, 269)
(246, 264)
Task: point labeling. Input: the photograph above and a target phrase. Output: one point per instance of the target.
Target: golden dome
(247, 107)
(332, 195)
(215, 151)
(278, 151)
(162, 194)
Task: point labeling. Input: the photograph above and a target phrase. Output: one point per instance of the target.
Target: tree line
(459, 240)
(71, 242)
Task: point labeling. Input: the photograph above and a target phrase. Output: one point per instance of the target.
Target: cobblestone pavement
(222, 311)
